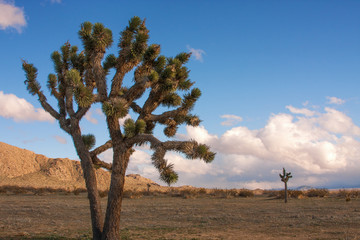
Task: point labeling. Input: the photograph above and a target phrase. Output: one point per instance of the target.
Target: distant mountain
(20, 167)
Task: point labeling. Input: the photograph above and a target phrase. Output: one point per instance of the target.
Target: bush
(77, 191)
(104, 193)
(245, 193)
(321, 192)
(295, 193)
(132, 194)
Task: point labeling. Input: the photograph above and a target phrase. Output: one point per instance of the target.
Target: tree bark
(91, 186)
(286, 195)
(113, 211)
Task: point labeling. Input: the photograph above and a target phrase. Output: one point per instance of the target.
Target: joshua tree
(80, 80)
(285, 178)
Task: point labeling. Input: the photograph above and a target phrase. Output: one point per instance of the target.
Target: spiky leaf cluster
(132, 128)
(32, 84)
(115, 108)
(133, 41)
(95, 37)
(89, 141)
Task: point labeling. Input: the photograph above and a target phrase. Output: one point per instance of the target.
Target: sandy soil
(55, 216)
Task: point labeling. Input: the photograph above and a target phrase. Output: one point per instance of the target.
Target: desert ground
(66, 216)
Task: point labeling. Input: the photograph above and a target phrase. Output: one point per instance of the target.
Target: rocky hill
(20, 167)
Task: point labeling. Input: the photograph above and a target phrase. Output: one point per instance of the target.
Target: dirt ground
(60, 216)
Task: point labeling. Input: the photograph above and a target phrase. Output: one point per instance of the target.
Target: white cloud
(303, 111)
(320, 148)
(231, 120)
(335, 100)
(11, 16)
(60, 139)
(55, 1)
(88, 116)
(197, 53)
(316, 147)
(122, 120)
(20, 110)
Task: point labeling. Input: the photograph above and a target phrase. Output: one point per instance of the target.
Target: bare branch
(47, 106)
(96, 161)
(102, 148)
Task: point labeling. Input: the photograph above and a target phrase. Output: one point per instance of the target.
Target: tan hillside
(20, 167)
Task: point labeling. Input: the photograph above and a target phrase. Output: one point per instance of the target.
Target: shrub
(132, 194)
(104, 193)
(245, 193)
(295, 193)
(318, 192)
(77, 191)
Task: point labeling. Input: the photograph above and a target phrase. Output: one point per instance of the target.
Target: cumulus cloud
(21, 110)
(11, 16)
(231, 120)
(316, 147)
(320, 148)
(60, 139)
(197, 53)
(335, 100)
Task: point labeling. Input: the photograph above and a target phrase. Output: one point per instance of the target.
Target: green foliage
(96, 38)
(129, 128)
(152, 53)
(89, 141)
(110, 62)
(115, 108)
(172, 100)
(73, 77)
(183, 57)
(204, 153)
(132, 128)
(190, 99)
(153, 77)
(160, 63)
(83, 96)
(168, 175)
(140, 126)
(32, 84)
(58, 64)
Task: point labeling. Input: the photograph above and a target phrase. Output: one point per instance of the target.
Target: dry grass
(60, 216)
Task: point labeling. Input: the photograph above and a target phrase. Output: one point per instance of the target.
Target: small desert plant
(77, 191)
(285, 178)
(245, 193)
(104, 193)
(132, 194)
(317, 192)
(189, 193)
(295, 193)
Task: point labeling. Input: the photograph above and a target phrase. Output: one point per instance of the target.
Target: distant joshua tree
(285, 178)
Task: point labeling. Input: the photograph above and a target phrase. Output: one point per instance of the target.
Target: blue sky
(279, 79)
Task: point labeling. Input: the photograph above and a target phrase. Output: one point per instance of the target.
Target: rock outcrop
(20, 167)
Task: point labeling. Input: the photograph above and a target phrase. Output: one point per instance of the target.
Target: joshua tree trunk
(286, 195)
(91, 186)
(113, 211)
